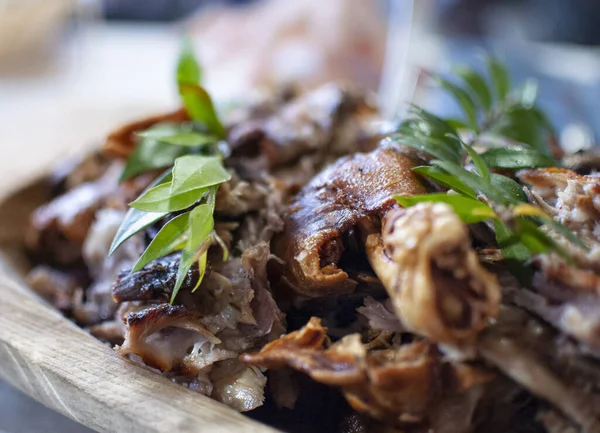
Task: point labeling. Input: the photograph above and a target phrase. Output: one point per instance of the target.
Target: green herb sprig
(187, 189)
(502, 129)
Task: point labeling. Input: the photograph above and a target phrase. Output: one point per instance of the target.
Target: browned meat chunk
(327, 120)
(410, 385)
(333, 203)
(171, 337)
(153, 283)
(568, 294)
(56, 286)
(58, 229)
(433, 276)
(572, 199)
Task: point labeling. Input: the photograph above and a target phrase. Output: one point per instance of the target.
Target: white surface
(102, 77)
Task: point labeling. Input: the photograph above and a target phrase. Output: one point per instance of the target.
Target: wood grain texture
(66, 369)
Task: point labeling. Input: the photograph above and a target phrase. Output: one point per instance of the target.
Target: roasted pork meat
(322, 296)
(334, 203)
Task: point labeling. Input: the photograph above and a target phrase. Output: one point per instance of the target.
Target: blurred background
(70, 70)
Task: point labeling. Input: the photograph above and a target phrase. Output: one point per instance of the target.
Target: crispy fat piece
(162, 335)
(433, 276)
(404, 385)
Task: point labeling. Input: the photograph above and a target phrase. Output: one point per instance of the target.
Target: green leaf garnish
(200, 107)
(469, 210)
(511, 189)
(190, 185)
(185, 263)
(506, 117)
(150, 155)
(188, 68)
(476, 83)
(429, 145)
(480, 164)
(136, 220)
(463, 98)
(445, 179)
(192, 172)
(516, 158)
(160, 199)
(200, 225)
(167, 240)
(179, 135)
(500, 77)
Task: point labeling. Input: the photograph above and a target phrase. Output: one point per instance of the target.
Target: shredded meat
(528, 352)
(58, 229)
(55, 286)
(567, 294)
(381, 315)
(323, 121)
(237, 385)
(353, 188)
(169, 337)
(572, 199)
(407, 385)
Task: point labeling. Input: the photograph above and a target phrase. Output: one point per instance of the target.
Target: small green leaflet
(199, 106)
(469, 210)
(476, 83)
(500, 77)
(188, 69)
(463, 98)
(185, 263)
(445, 179)
(528, 93)
(137, 220)
(167, 240)
(524, 126)
(536, 241)
(429, 145)
(192, 176)
(183, 135)
(201, 225)
(196, 99)
(433, 125)
(511, 190)
(150, 155)
(194, 171)
(514, 253)
(160, 199)
(479, 163)
(543, 218)
(516, 158)
(470, 179)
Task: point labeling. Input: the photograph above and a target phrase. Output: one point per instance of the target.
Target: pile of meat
(354, 314)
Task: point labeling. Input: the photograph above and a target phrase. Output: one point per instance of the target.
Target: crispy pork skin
(433, 276)
(410, 385)
(334, 202)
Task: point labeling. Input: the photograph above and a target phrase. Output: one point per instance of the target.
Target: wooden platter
(53, 361)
